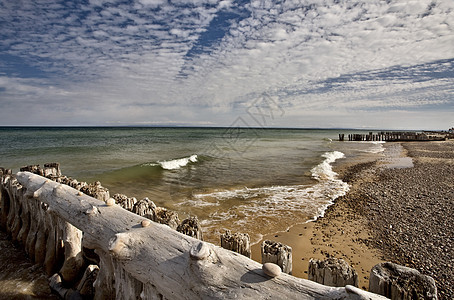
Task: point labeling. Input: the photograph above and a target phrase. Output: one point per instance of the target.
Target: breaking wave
(257, 204)
(173, 164)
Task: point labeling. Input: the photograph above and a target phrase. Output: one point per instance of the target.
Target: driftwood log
(151, 262)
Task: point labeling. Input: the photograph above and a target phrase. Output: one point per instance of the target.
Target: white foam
(175, 164)
(324, 170)
(258, 204)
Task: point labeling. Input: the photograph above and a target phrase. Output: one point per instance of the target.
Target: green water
(250, 180)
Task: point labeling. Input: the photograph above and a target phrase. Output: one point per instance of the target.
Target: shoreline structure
(346, 231)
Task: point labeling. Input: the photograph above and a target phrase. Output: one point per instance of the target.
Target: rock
(145, 223)
(399, 282)
(332, 272)
(271, 269)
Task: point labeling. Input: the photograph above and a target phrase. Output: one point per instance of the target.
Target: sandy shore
(399, 209)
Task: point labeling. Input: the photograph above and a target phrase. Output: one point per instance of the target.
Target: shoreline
(340, 232)
(374, 222)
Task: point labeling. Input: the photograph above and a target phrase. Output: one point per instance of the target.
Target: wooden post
(399, 282)
(332, 272)
(125, 202)
(191, 227)
(277, 253)
(237, 242)
(167, 217)
(145, 207)
(52, 170)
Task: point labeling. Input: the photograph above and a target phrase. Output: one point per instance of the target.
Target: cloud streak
(203, 62)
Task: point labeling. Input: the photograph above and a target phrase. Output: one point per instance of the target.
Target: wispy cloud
(204, 61)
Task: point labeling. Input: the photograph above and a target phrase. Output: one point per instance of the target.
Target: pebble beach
(399, 209)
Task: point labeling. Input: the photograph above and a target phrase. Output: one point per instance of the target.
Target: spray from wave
(173, 164)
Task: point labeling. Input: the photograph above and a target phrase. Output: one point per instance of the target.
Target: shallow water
(20, 278)
(251, 180)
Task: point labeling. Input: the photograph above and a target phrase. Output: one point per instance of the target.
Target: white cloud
(136, 56)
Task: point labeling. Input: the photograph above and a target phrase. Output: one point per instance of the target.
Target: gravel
(410, 210)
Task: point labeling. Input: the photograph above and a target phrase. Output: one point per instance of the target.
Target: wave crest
(174, 164)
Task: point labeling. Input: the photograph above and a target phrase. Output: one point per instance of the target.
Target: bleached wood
(74, 264)
(159, 258)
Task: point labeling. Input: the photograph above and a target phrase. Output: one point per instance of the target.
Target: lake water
(250, 180)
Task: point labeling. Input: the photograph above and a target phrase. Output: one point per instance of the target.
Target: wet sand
(399, 209)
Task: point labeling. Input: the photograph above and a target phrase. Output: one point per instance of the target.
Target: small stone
(110, 202)
(145, 223)
(80, 193)
(199, 251)
(271, 269)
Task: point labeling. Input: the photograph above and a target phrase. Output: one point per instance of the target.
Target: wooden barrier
(136, 259)
(396, 136)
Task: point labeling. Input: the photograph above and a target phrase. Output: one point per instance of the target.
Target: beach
(399, 209)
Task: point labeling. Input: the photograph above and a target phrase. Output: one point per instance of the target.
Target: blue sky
(371, 64)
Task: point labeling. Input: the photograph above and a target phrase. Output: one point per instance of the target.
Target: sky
(302, 63)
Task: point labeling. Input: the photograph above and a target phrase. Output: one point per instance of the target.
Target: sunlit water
(257, 181)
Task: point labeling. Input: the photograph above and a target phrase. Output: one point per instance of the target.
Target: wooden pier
(396, 136)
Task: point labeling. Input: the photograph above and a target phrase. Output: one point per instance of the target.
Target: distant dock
(397, 136)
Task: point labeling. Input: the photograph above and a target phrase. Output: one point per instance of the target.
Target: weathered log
(33, 232)
(104, 284)
(277, 253)
(191, 227)
(332, 272)
(399, 282)
(41, 238)
(237, 242)
(86, 286)
(125, 284)
(164, 260)
(13, 219)
(74, 264)
(5, 202)
(105, 281)
(25, 220)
